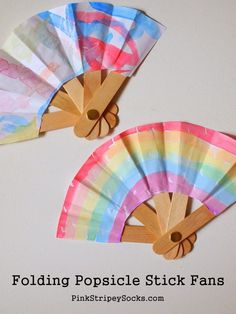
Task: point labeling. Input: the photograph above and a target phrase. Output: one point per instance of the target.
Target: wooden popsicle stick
(163, 206)
(177, 209)
(104, 127)
(148, 217)
(188, 246)
(171, 213)
(172, 254)
(138, 234)
(57, 120)
(97, 105)
(193, 238)
(180, 252)
(95, 132)
(64, 102)
(113, 108)
(184, 229)
(92, 81)
(75, 90)
(111, 119)
(177, 213)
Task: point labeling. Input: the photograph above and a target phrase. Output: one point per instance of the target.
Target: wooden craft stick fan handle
(184, 229)
(99, 102)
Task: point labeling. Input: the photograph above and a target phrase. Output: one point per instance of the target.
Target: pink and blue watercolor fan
(43, 57)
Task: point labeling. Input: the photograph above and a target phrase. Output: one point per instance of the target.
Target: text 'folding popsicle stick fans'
(167, 163)
(42, 59)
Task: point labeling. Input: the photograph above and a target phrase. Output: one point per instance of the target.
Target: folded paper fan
(50, 50)
(150, 162)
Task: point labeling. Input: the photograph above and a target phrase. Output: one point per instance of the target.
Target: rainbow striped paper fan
(149, 160)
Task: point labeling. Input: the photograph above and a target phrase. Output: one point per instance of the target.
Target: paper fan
(149, 162)
(42, 58)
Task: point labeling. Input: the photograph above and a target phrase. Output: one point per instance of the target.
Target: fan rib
(148, 217)
(138, 234)
(75, 91)
(64, 102)
(57, 120)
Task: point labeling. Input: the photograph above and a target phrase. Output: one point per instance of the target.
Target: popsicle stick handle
(148, 217)
(97, 105)
(184, 229)
(138, 234)
(171, 212)
(75, 90)
(57, 120)
(94, 133)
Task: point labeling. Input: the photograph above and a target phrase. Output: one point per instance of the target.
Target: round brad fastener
(176, 236)
(93, 114)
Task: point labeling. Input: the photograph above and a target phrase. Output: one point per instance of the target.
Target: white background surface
(190, 75)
